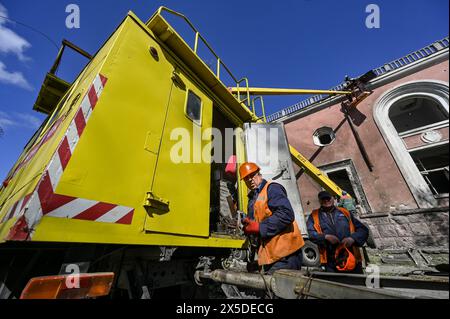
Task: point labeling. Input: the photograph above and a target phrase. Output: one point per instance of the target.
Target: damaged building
(390, 152)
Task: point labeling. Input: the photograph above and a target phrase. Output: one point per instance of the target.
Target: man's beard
(327, 209)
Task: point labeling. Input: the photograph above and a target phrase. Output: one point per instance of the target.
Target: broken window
(411, 113)
(344, 175)
(324, 136)
(341, 178)
(432, 163)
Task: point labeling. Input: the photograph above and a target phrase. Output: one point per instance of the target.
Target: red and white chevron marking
(45, 202)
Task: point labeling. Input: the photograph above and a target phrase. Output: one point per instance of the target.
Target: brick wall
(409, 229)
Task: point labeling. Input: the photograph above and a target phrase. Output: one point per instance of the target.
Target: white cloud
(19, 120)
(11, 42)
(5, 120)
(15, 78)
(28, 120)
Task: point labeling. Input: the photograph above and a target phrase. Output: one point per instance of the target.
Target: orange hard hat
(247, 168)
(345, 260)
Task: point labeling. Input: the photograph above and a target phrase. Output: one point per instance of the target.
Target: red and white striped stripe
(45, 202)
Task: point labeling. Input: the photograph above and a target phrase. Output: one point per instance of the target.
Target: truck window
(194, 107)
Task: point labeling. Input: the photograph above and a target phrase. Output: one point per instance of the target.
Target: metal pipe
(359, 143)
(242, 279)
(196, 42)
(277, 91)
(61, 51)
(57, 60)
(77, 49)
(292, 284)
(218, 68)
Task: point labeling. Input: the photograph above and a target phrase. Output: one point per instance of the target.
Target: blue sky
(289, 43)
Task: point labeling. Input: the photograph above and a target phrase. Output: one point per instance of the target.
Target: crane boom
(315, 173)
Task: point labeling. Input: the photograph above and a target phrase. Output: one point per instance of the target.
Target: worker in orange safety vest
(338, 234)
(272, 219)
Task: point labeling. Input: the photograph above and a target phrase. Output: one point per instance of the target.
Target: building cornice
(387, 73)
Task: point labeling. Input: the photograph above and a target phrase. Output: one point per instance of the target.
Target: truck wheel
(370, 241)
(311, 256)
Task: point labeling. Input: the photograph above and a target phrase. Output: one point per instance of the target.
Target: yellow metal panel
(241, 158)
(26, 178)
(115, 159)
(69, 230)
(124, 127)
(162, 29)
(185, 185)
(123, 132)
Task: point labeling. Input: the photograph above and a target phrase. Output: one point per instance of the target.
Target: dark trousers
(293, 261)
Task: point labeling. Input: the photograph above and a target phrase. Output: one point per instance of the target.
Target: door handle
(178, 81)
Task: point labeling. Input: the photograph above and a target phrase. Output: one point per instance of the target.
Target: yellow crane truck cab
(103, 185)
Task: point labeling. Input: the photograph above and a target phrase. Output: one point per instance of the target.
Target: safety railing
(219, 63)
(388, 67)
(260, 98)
(414, 56)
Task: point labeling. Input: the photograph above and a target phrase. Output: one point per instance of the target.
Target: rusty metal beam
(293, 284)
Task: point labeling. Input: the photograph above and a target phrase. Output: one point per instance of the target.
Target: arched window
(411, 118)
(414, 112)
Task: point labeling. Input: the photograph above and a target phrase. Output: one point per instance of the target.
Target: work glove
(348, 242)
(332, 239)
(251, 227)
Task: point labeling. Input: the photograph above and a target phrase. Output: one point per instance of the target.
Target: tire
(311, 256)
(370, 241)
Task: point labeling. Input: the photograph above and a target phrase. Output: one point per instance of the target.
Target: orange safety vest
(281, 245)
(322, 250)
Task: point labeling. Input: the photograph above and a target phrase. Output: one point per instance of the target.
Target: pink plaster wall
(385, 187)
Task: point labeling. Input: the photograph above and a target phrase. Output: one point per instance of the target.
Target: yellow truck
(97, 185)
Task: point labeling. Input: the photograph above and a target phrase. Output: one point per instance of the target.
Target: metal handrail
(248, 92)
(198, 37)
(259, 97)
(388, 67)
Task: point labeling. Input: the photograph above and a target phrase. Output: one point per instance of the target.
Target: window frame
(436, 89)
(423, 127)
(425, 171)
(324, 130)
(199, 121)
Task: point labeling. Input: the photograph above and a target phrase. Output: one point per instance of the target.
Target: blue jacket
(338, 225)
(282, 212)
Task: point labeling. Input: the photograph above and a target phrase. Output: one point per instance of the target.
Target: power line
(32, 28)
